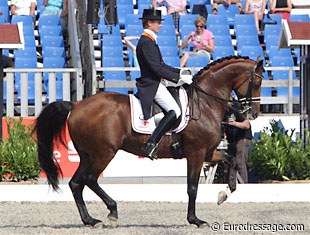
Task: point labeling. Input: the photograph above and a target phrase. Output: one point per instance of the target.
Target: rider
(154, 76)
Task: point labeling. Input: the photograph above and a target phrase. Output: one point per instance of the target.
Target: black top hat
(151, 14)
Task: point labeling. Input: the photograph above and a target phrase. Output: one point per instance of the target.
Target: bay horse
(100, 125)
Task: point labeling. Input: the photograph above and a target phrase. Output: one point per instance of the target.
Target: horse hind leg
(77, 185)
(91, 180)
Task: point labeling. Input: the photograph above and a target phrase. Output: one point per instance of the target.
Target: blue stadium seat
(216, 20)
(48, 20)
(28, 31)
(53, 62)
(271, 40)
(169, 51)
(132, 19)
(188, 19)
(246, 30)
(247, 40)
(53, 41)
(108, 51)
(271, 29)
(122, 11)
(134, 30)
(280, 52)
(4, 3)
(172, 61)
(251, 51)
(222, 40)
(219, 29)
(26, 19)
(53, 52)
(118, 90)
(222, 51)
(114, 75)
(2, 20)
(112, 61)
(168, 20)
(299, 18)
(24, 62)
(279, 61)
(111, 41)
(108, 29)
(228, 11)
(27, 52)
(5, 14)
(244, 19)
(4, 91)
(30, 41)
(197, 61)
(165, 40)
(50, 30)
(167, 30)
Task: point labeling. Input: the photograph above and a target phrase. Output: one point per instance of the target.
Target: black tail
(50, 125)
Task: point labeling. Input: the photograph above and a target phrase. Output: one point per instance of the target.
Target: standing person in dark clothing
(239, 137)
(155, 75)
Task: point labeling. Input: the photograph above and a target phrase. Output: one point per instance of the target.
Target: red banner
(68, 159)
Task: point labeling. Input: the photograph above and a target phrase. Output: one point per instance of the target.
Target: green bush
(277, 156)
(18, 154)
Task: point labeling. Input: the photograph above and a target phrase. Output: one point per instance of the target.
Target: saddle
(142, 126)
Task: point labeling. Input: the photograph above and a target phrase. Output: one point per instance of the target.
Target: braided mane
(219, 61)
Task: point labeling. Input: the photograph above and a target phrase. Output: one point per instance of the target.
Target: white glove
(188, 79)
(186, 72)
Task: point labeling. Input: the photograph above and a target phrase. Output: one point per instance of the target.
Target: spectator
(282, 7)
(23, 7)
(225, 3)
(174, 8)
(239, 137)
(203, 41)
(57, 7)
(257, 8)
(128, 41)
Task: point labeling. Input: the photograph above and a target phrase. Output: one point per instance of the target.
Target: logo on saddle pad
(148, 126)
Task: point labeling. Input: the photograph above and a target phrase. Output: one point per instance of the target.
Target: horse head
(248, 91)
(234, 73)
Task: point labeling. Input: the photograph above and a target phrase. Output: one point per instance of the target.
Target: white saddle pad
(147, 126)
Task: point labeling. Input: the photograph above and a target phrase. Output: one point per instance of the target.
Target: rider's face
(155, 25)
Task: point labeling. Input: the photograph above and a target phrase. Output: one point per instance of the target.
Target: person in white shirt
(23, 7)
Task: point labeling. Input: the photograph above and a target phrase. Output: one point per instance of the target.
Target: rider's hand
(187, 79)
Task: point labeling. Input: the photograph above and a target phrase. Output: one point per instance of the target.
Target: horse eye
(256, 85)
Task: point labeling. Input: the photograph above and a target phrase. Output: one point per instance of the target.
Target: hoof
(222, 196)
(204, 225)
(100, 225)
(113, 221)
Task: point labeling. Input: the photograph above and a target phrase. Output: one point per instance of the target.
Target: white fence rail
(17, 101)
(72, 83)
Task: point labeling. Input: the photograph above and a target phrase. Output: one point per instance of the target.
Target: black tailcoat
(153, 69)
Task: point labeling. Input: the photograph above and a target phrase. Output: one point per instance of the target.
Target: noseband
(248, 99)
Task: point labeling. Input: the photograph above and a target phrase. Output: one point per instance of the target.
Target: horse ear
(259, 62)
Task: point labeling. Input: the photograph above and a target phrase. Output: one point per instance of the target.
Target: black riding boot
(164, 126)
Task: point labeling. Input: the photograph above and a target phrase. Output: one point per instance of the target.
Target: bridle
(245, 102)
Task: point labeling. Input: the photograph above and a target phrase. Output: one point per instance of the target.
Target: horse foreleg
(193, 174)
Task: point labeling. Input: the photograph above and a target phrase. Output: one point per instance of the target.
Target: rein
(247, 100)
